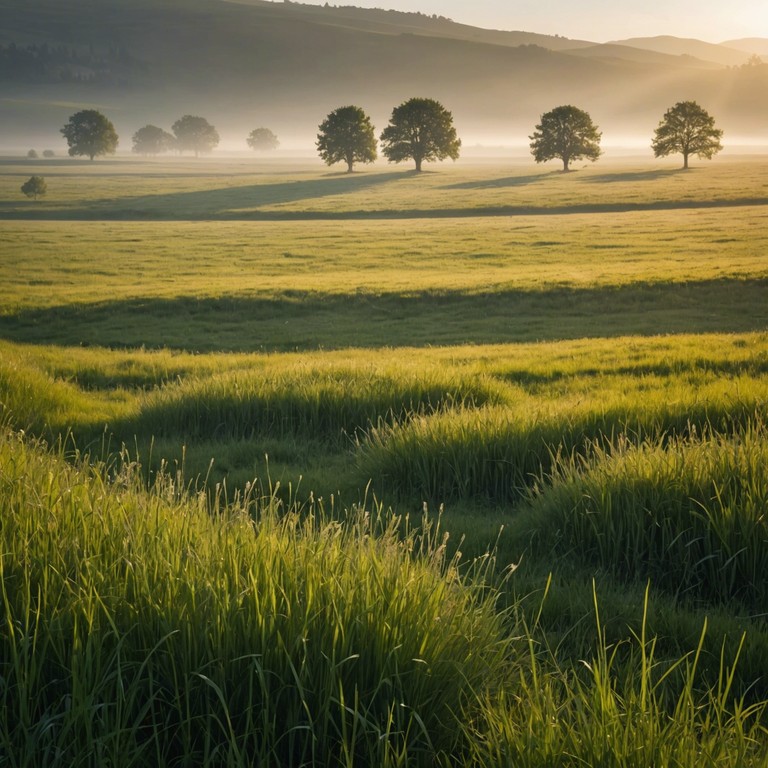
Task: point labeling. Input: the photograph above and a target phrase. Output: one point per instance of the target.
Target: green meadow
(465, 467)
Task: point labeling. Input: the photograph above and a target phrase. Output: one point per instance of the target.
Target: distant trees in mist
(419, 129)
(151, 140)
(89, 133)
(687, 129)
(346, 136)
(262, 139)
(567, 133)
(194, 133)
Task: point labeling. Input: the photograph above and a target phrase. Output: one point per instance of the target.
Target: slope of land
(677, 46)
(752, 45)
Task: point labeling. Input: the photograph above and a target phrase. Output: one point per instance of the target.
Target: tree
(49, 153)
(346, 136)
(262, 139)
(195, 133)
(420, 130)
(89, 133)
(32, 154)
(151, 140)
(567, 133)
(689, 129)
(34, 187)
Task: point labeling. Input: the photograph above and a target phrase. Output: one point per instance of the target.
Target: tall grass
(36, 401)
(327, 403)
(498, 453)
(146, 628)
(149, 628)
(612, 713)
(688, 514)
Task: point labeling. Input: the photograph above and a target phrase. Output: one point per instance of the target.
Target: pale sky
(597, 20)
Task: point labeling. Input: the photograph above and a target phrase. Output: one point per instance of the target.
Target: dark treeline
(44, 63)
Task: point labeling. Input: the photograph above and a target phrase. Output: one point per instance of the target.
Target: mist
(286, 66)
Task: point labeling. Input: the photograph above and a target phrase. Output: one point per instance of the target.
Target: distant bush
(32, 154)
(48, 153)
(34, 187)
(262, 139)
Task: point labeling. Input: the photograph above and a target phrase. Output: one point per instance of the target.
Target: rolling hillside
(676, 46)
(757, 46)
(285, 65)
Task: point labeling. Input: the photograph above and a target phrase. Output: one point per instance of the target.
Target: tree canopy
(346, 136)
(89, 133)
(34, 187)
(689, 129)
(566, 133)
(195, 133)
(420, 130)
(151, 140)
(262, 139)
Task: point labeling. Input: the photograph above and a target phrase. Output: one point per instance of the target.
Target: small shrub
(34, 187)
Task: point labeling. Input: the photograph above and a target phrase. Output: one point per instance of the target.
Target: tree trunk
(418, 164)
(566, 162)
(350, 163)
(685, 161)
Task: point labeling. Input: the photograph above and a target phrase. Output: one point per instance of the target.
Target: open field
(254, 366)
(697, 265)
(178, 189)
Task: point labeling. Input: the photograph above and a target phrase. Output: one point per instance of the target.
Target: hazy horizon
(286, 68)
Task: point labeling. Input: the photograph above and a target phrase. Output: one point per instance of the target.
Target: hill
(398, 22)
(752, 45)
(285, 65)
(677, 46)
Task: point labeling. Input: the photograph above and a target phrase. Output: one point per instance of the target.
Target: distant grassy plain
(534, 350)
(412, 276)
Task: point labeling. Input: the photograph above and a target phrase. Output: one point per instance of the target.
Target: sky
(597, 20)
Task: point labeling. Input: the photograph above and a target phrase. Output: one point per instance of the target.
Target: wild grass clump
(639, 712)
(150, 628)
(499, 453)
(26, 397)
(329, 402)
(689, 513)
(33, 400)
(147, 628)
